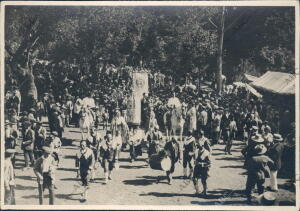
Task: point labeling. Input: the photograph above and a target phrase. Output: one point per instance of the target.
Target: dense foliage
(172, 40)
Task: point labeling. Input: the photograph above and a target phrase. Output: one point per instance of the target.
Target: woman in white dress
(119, 124)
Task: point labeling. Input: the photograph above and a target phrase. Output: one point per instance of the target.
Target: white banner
(139, 87)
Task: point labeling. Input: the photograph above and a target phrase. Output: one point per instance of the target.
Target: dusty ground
(135, 183)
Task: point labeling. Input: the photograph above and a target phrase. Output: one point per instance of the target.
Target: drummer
(135, 143)
(202, 164)
(172, 148)
(156, 143)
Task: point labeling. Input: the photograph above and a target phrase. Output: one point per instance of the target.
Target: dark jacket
(275, 153)
(257, 166)
(225, 121)
(28, 140)
(173, 150)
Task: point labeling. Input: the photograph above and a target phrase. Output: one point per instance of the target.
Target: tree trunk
(220, 52)
(26, 83)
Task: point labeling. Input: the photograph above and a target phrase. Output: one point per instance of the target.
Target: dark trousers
(215, 137)
(135, 151)
(187, 161)
(228, 146)
(28, 155)
(51, 193)
(169, 173)
(76, 118)
(60, 133)
(250, 185)
(38, 154)
(108, 165)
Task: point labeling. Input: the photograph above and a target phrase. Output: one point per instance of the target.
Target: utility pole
(220, 52)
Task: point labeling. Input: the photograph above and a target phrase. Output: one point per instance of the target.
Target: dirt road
(135, 183)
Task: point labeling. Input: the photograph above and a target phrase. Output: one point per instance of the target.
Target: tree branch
(233, 22)
(34, 42)
(213, 23)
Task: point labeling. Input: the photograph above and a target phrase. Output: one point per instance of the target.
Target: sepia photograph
(130, 104)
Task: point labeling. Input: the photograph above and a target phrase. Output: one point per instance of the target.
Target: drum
(160, 162)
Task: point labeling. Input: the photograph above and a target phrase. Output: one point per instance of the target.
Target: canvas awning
(248, 88)
(276, 82)
(250, 78)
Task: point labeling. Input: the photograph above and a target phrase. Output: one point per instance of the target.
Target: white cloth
(192, 114)
(117, 141)
(273, 180)
(78, 106)
(88, 101)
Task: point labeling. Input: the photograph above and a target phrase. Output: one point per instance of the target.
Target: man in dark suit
(225, 121)
(257, 166)
(172, 148)
(275, 153)
(28, 144)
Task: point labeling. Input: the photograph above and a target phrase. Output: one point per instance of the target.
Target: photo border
(292, 3)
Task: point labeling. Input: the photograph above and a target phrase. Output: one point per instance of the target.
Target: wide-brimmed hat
(277, 137)
(260, 149)
(54, 133)
(254, 127)
(47, 149)
(267, 198)
(7, 122)
(267, 128)
(32, 110)
(257, 138)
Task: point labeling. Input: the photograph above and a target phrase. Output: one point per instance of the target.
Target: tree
(26, 28)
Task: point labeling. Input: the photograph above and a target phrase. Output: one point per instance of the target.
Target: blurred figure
(9, 178)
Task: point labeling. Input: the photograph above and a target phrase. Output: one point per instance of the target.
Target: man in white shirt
(44, 169)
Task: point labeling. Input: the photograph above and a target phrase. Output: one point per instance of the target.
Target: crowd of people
(184, 132)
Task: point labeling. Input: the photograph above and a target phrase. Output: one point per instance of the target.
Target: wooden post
(220, 52)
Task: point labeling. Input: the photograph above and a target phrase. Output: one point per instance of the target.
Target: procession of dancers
(182, 127)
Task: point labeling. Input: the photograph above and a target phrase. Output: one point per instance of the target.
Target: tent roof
(250, 78)
(276, 82)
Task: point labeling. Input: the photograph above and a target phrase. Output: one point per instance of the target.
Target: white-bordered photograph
(150, 105)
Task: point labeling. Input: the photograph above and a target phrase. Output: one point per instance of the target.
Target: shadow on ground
(21, 187)
(145, 180)
(133, 167)
(67, 169)
(157, 194)
(231, 158)
(233, 166)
